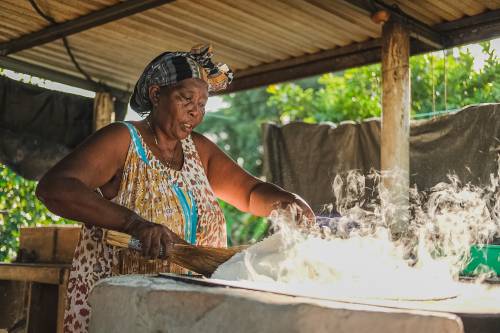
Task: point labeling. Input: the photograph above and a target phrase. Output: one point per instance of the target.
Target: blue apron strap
(137, 141)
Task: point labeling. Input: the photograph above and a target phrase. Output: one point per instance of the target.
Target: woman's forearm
(265, 197)
(70, 198)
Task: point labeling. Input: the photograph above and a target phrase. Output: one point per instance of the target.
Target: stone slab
(153, 304)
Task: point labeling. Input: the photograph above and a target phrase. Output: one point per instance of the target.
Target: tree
(19, 207)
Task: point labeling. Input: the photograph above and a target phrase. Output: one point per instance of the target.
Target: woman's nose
(196, 109)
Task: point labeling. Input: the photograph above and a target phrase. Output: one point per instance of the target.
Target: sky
(215, 102)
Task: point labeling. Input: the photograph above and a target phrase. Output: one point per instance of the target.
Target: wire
(433, 85)
(445, 82)
(50, 19)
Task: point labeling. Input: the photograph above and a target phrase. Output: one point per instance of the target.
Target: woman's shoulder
(112, 139)
(204, 146)
(115, 132)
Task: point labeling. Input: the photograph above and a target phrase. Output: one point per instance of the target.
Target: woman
(154, 179)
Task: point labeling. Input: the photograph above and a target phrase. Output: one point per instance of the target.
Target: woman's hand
(299, 209)
(153, 236)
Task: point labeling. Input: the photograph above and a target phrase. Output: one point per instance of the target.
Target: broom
(200, 259)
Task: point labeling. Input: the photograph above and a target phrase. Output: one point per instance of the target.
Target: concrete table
(156, 304)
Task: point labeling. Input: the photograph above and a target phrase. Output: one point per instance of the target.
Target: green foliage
(19, 208)
(463, 85)
(351, 95)
(355, 94)
(236, 129)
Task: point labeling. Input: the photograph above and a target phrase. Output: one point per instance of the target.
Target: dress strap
(190, 212)
(139, 148)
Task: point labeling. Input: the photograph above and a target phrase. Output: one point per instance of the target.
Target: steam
(356, 254)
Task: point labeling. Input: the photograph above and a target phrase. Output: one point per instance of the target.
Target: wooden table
(40, 291)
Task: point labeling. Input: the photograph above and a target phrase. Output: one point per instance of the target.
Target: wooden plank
(489, 17)
(94, 19)
(47, 273)
(395, 127)
(103, 112)
(13, 301)
(355, 55)
(43, 308)
(471, 29)
(305, 70)
(61, 301)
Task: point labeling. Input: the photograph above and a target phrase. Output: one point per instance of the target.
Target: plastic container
(482, 259)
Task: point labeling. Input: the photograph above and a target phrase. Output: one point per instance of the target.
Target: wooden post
(395, 136)
(103, 110)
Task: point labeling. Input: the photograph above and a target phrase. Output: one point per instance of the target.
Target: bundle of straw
(200, 259)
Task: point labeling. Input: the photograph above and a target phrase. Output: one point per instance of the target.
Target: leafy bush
(19, 207)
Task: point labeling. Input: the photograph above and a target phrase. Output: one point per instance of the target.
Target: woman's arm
(68, 189)
(234, 185)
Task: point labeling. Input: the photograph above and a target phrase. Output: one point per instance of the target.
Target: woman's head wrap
(171, 67)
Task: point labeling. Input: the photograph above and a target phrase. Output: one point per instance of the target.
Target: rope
(445, 83)
(433, 85)
(50, 19)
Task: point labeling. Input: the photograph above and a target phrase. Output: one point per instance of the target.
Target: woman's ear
(154, 94)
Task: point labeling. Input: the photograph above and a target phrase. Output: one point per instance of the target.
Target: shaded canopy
(264, 41)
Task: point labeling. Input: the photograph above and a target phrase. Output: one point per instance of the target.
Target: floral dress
(180, 199)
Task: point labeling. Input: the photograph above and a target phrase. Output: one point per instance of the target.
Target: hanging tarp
(305, 158)
(39, 126)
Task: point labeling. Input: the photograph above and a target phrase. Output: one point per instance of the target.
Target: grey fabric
(305, 158)
(39, 126)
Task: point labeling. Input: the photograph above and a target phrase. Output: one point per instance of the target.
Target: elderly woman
(154, 179)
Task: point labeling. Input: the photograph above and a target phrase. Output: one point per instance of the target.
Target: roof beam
(467, 30)
(418, 30)
(350, 56)
(94, 19)
(471, 29)
(49, 74)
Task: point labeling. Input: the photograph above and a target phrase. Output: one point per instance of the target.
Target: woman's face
(180, 108)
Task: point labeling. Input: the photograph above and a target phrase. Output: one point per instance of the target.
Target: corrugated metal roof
(245, 34)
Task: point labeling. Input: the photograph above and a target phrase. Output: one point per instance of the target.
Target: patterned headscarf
(171, 67)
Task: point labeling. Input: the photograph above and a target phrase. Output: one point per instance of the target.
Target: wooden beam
(94, 19)
(471, 29)
(467, 30)
(300, 67)
(104, 113)
(417, 29)
(355, 55)
(41, 273)
(395, 129)
(48, 74)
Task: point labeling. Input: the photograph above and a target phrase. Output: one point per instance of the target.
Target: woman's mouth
(187, 127)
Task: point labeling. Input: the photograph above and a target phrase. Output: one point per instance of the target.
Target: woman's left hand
(299, 209)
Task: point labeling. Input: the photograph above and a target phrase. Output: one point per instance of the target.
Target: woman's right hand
(153, 236)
